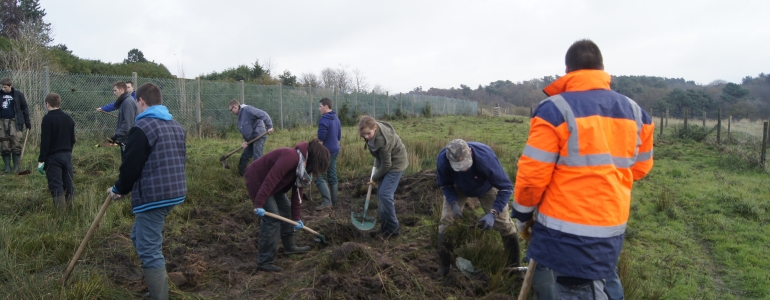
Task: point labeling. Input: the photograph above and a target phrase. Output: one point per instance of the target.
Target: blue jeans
(386, 208)
(270, 228)
(331, 174)
(253, 150)
(549, 285)
(147, 236)
(613, 288)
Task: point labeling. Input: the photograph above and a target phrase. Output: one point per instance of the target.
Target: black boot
(290, 248)
(16, 163)
(7, 161)
(334, 191)
(444, 258)
(511, 244)
(325, 195)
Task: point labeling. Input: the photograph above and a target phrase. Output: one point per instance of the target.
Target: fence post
(198, 99)
(704, 120)
(243, 96)
(310, 103)
(666, 118)
(400, 103)
(661, 125)
(135, 78)
(719, 126)
(280, 100)
(685, 118)
(374, 105)
(47, 82)
(334, 105)
(387, 102)
(764, 145)
(729, 122)
(355, 98)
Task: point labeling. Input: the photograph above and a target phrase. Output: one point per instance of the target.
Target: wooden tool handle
(272, 215)
(85, 240)
(239, 148)
(527, 284)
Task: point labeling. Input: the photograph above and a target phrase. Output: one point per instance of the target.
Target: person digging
(472, 170)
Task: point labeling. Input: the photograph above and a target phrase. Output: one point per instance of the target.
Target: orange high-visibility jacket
(587, 144)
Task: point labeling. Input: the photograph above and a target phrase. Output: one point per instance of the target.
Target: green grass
(698, 227)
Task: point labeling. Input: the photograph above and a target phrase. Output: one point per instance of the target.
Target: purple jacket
(330, 132)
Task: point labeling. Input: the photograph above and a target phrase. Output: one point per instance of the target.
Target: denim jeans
(269, 228)
(386, 208)
(58, 171)
(613, 288)
(331, 174)
(547, 286)
(253, 150)
(147, 236)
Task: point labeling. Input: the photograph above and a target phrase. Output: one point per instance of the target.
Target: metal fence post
(46, 82)
(198, 99)
(280, 100)
(334, 105)
(243, 95)
(374, 105)
(135, 78)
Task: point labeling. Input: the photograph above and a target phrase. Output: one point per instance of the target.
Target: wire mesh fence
(201, 105)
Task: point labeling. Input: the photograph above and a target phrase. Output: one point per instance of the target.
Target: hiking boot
(290, 248)
(269, 268)
(444, 258)
(7, 161)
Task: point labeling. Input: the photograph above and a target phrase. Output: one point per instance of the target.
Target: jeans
(386, 209)
(147, 236)
(253, 150)
(269, 228)
(59, 174)
(331, 174)
(549, 284)
(614, 288)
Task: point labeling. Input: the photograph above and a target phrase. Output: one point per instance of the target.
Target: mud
(213, 254)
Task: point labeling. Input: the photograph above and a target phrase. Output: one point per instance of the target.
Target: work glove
(520, 226)
(299, 225)
(259, 212)
(457, 211)
(113, 194)
(41, 168)
(487, 221)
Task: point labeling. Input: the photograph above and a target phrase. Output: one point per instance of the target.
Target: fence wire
(201, 105)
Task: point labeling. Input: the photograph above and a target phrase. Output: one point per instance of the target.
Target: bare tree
(378, 89)
(328, 78)
(310, 79)
(343, 81)
(359, 80)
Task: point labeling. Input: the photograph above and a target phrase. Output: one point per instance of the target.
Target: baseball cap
(459, 155)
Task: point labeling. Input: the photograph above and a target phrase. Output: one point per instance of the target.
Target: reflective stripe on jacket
(587, 145)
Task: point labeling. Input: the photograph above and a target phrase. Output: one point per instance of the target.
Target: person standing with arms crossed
(252, 122)
(587, 145)
(154, 173)
(329, 133)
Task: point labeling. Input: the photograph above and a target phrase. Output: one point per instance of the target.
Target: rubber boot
(157, 283)
(511, 244)
(444, 258)
(16, 163)
(59, 202)
(7, 161)
(334, 191)
(290, 248)
(269, 268)
(325, 195)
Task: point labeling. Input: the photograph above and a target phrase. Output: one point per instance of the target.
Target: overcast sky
(404, 44)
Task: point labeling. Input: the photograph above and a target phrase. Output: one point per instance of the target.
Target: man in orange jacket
(587, 145)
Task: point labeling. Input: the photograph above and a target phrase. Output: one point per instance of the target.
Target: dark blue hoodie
(330, 132)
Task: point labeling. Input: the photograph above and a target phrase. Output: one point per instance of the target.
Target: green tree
(732, 93)
(16, 13)
(288, 79)
(135, 56)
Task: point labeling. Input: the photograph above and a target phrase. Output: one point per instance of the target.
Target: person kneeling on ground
(268, 179)
(473, 170)
(57, 137)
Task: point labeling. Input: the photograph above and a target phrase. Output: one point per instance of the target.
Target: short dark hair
(326, 102)
(129, 82)
(120, 84)
(584, 54)
(150, 94)
(53, 100)
(233, 102)
(6, 81)
(318, 158)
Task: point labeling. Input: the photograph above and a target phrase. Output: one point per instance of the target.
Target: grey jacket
(253, 122)
(388, 151)
(126, 117)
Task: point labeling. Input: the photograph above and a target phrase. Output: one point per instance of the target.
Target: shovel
(320, 237)
(90, 233)
(106, 113)
(25, 172)
(361, 221)
(223, 159)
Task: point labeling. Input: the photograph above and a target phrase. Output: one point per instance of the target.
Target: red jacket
(275, 172)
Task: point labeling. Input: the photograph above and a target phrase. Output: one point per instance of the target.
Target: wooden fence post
(198, 98)
(280, 100)
(704, 120)
(685, 118)
(661, 125)
(719, 126)
(764, 145)
(666, 125)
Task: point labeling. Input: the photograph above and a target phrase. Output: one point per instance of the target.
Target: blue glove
(259, 212)
(457, 211)
(41, 168)
(299, 225)
(487, 221)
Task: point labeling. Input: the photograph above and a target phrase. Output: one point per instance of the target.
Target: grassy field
(698, 226)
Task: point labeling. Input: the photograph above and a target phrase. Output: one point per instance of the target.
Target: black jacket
(57, 134)
(21, 110)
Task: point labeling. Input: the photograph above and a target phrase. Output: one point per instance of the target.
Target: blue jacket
(111, 106)
(330, 132)
(252, 122)
(485, 173)
(154, 168)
